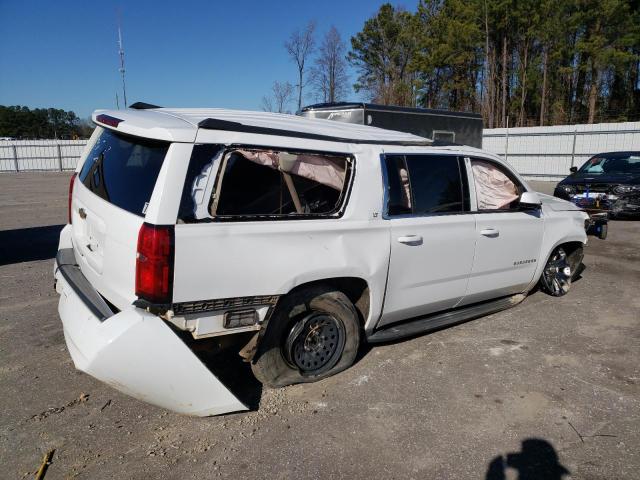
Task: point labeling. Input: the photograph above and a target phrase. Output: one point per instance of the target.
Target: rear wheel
(313, 334)
(557, 274)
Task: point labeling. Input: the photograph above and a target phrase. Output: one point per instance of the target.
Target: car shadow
(537, 460)
(220, 356)
(29, 244)
(367, 347)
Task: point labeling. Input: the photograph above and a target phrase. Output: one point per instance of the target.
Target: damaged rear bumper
(134, 351)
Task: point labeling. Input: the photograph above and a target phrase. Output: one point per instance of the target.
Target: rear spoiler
(143, 106)
(226, 125)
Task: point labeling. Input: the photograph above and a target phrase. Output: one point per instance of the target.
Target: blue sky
(63, 54)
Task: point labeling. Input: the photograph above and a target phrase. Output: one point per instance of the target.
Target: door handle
(490, 232)
(410, 239)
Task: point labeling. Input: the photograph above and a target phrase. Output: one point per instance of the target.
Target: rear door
(110, 198)
(432, 235)
(508, 238)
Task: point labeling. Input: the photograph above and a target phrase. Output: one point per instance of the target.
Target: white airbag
(319, 168)
(494, 190)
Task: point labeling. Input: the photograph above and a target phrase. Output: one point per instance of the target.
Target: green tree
(22, 122)
(382, 54)
(524, 62)
(608, 35)
(449, 54)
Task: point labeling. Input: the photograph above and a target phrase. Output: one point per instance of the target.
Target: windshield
(614, 163)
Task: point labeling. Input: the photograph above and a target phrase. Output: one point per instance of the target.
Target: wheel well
(356, 289)
(570, 247)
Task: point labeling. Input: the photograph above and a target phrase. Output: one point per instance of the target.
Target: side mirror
(573, 169)
(530, 201)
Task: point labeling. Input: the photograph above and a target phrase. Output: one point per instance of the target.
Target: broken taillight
(71, 183)
(154, 263)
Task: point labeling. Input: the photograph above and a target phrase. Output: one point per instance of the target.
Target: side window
(435, 184)
(249, 188)
(399, 191)
(424, 184)
(254, 183)
(496, 187)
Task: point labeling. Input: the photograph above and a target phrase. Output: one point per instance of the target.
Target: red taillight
(71, 183)
(154, 263)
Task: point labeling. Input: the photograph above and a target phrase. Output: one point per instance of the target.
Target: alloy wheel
(557, 274)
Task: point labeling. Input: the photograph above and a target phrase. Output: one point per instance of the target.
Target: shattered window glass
(275, 183)
(251, 189)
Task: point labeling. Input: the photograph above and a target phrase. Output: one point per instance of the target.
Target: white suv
(313, 236)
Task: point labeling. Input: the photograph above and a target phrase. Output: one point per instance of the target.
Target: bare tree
(329, 74)
(267, 104)
(281, 95)
(299, 47)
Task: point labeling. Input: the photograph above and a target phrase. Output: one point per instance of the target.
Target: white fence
(547, 153)
(544, 153)
(21, 155)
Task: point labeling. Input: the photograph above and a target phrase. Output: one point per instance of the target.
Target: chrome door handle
(490, 232)
(410, 239)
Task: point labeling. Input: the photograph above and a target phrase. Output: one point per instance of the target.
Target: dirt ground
(549, 389)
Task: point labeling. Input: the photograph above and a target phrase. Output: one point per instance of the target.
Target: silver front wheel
(556, 277)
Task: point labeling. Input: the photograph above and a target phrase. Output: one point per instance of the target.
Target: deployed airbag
(323, 169)
(494, 190)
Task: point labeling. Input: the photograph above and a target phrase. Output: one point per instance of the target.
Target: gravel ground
(548, 389)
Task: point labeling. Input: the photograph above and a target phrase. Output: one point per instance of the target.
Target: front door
(508, 239)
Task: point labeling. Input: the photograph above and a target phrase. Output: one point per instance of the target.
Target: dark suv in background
(607, 182)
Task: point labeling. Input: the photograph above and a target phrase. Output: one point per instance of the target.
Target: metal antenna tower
(121, 53)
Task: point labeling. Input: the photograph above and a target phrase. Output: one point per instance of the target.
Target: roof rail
(446, 143)
(225, 125)
(143, 106)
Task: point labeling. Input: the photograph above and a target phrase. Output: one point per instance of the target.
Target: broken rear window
(250, 183)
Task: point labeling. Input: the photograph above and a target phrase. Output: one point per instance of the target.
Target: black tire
(604, 231)
(559, 271)
(300, 333)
